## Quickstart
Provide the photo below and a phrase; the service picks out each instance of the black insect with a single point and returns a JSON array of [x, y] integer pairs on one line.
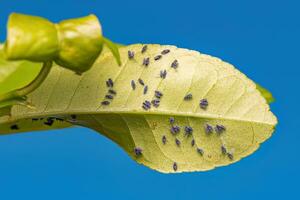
[[130, 54], [193, 142], [164, 52], [105, 103], [49, 122], [158, 94], [146, 89], [157, 57], [172, 120], [163, 74], [146, 61], [164, 139], [73, 117], [175, 166], [223, 149], [111, 91], [146, 105], [141, 81], [14, 127], [175, 129], [133, 84], [144, 49], [203, 103], [174, 64], [177, 142], [230, 156], [155, 102], [188, 97], [220, 128], [109, 83], [200, 151], [208, 129], [188, 130], [108, 96], [138, 151]]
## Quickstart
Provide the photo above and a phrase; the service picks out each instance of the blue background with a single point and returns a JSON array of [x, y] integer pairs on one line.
[[261, 38]]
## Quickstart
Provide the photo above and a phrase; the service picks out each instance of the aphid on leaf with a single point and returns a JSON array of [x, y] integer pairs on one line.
[[177, 142], [144, 49], [208, 129], [188, 97], [108, 96], [146, 61], [200, 151], [105, 103], [49, 122], [138, 151], [73, 117], [188, 130], [203, 104], [14, 127], [220, 128], [174, 64], [223, 149], [146, 89], [158, 94], [109, 83], [157, 57], [163, 74], [141, 81], [164, 139], [111, 91], [155, 102], [172, 120], [193, 142], [133, 84], [175, 166], [230, 155], [130, 54], [165, 51], [146, 105], [175, 129]]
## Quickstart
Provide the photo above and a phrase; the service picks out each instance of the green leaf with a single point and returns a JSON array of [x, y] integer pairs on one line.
[[265, 93], [114, 48], [233, 101]]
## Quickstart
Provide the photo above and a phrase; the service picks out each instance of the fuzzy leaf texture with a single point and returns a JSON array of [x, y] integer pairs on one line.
[[234, 104]]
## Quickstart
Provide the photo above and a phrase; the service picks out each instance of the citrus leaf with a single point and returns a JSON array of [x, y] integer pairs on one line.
[[230, 125], [265, 93]]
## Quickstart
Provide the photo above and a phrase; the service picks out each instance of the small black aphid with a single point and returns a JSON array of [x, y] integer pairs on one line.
[[188, 130], [146, 61], [105, 103], [175, 129], [203, 103], [220, 128], [164, 52], [111, 91], [133, 84], [109, 83], [141, 81], [200, 151], [157, 57], [49, 122], [144, 49], [138, 151], [177, 142], [146, 89], [130, 54], [172, 120], [158, 94], [14, 127], [223, 149], [73, 116], [175, 166], [174, 64], [164, 139], [188, 97], [155, 102], [163, 74], [208, 129], [108, 96], [193, 142], [146, 105], [230, 156]]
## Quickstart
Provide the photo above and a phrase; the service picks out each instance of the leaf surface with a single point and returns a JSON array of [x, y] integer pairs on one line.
[[233, 102]]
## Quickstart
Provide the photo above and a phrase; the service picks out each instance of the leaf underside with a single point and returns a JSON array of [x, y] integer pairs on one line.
[[233, 101]]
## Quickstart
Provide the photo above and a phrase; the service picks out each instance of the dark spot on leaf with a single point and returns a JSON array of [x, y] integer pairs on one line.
[[165, 51], [138, 151], [14, 127]]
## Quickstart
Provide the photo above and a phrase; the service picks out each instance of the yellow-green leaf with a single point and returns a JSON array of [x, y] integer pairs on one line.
[[233, 101]]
